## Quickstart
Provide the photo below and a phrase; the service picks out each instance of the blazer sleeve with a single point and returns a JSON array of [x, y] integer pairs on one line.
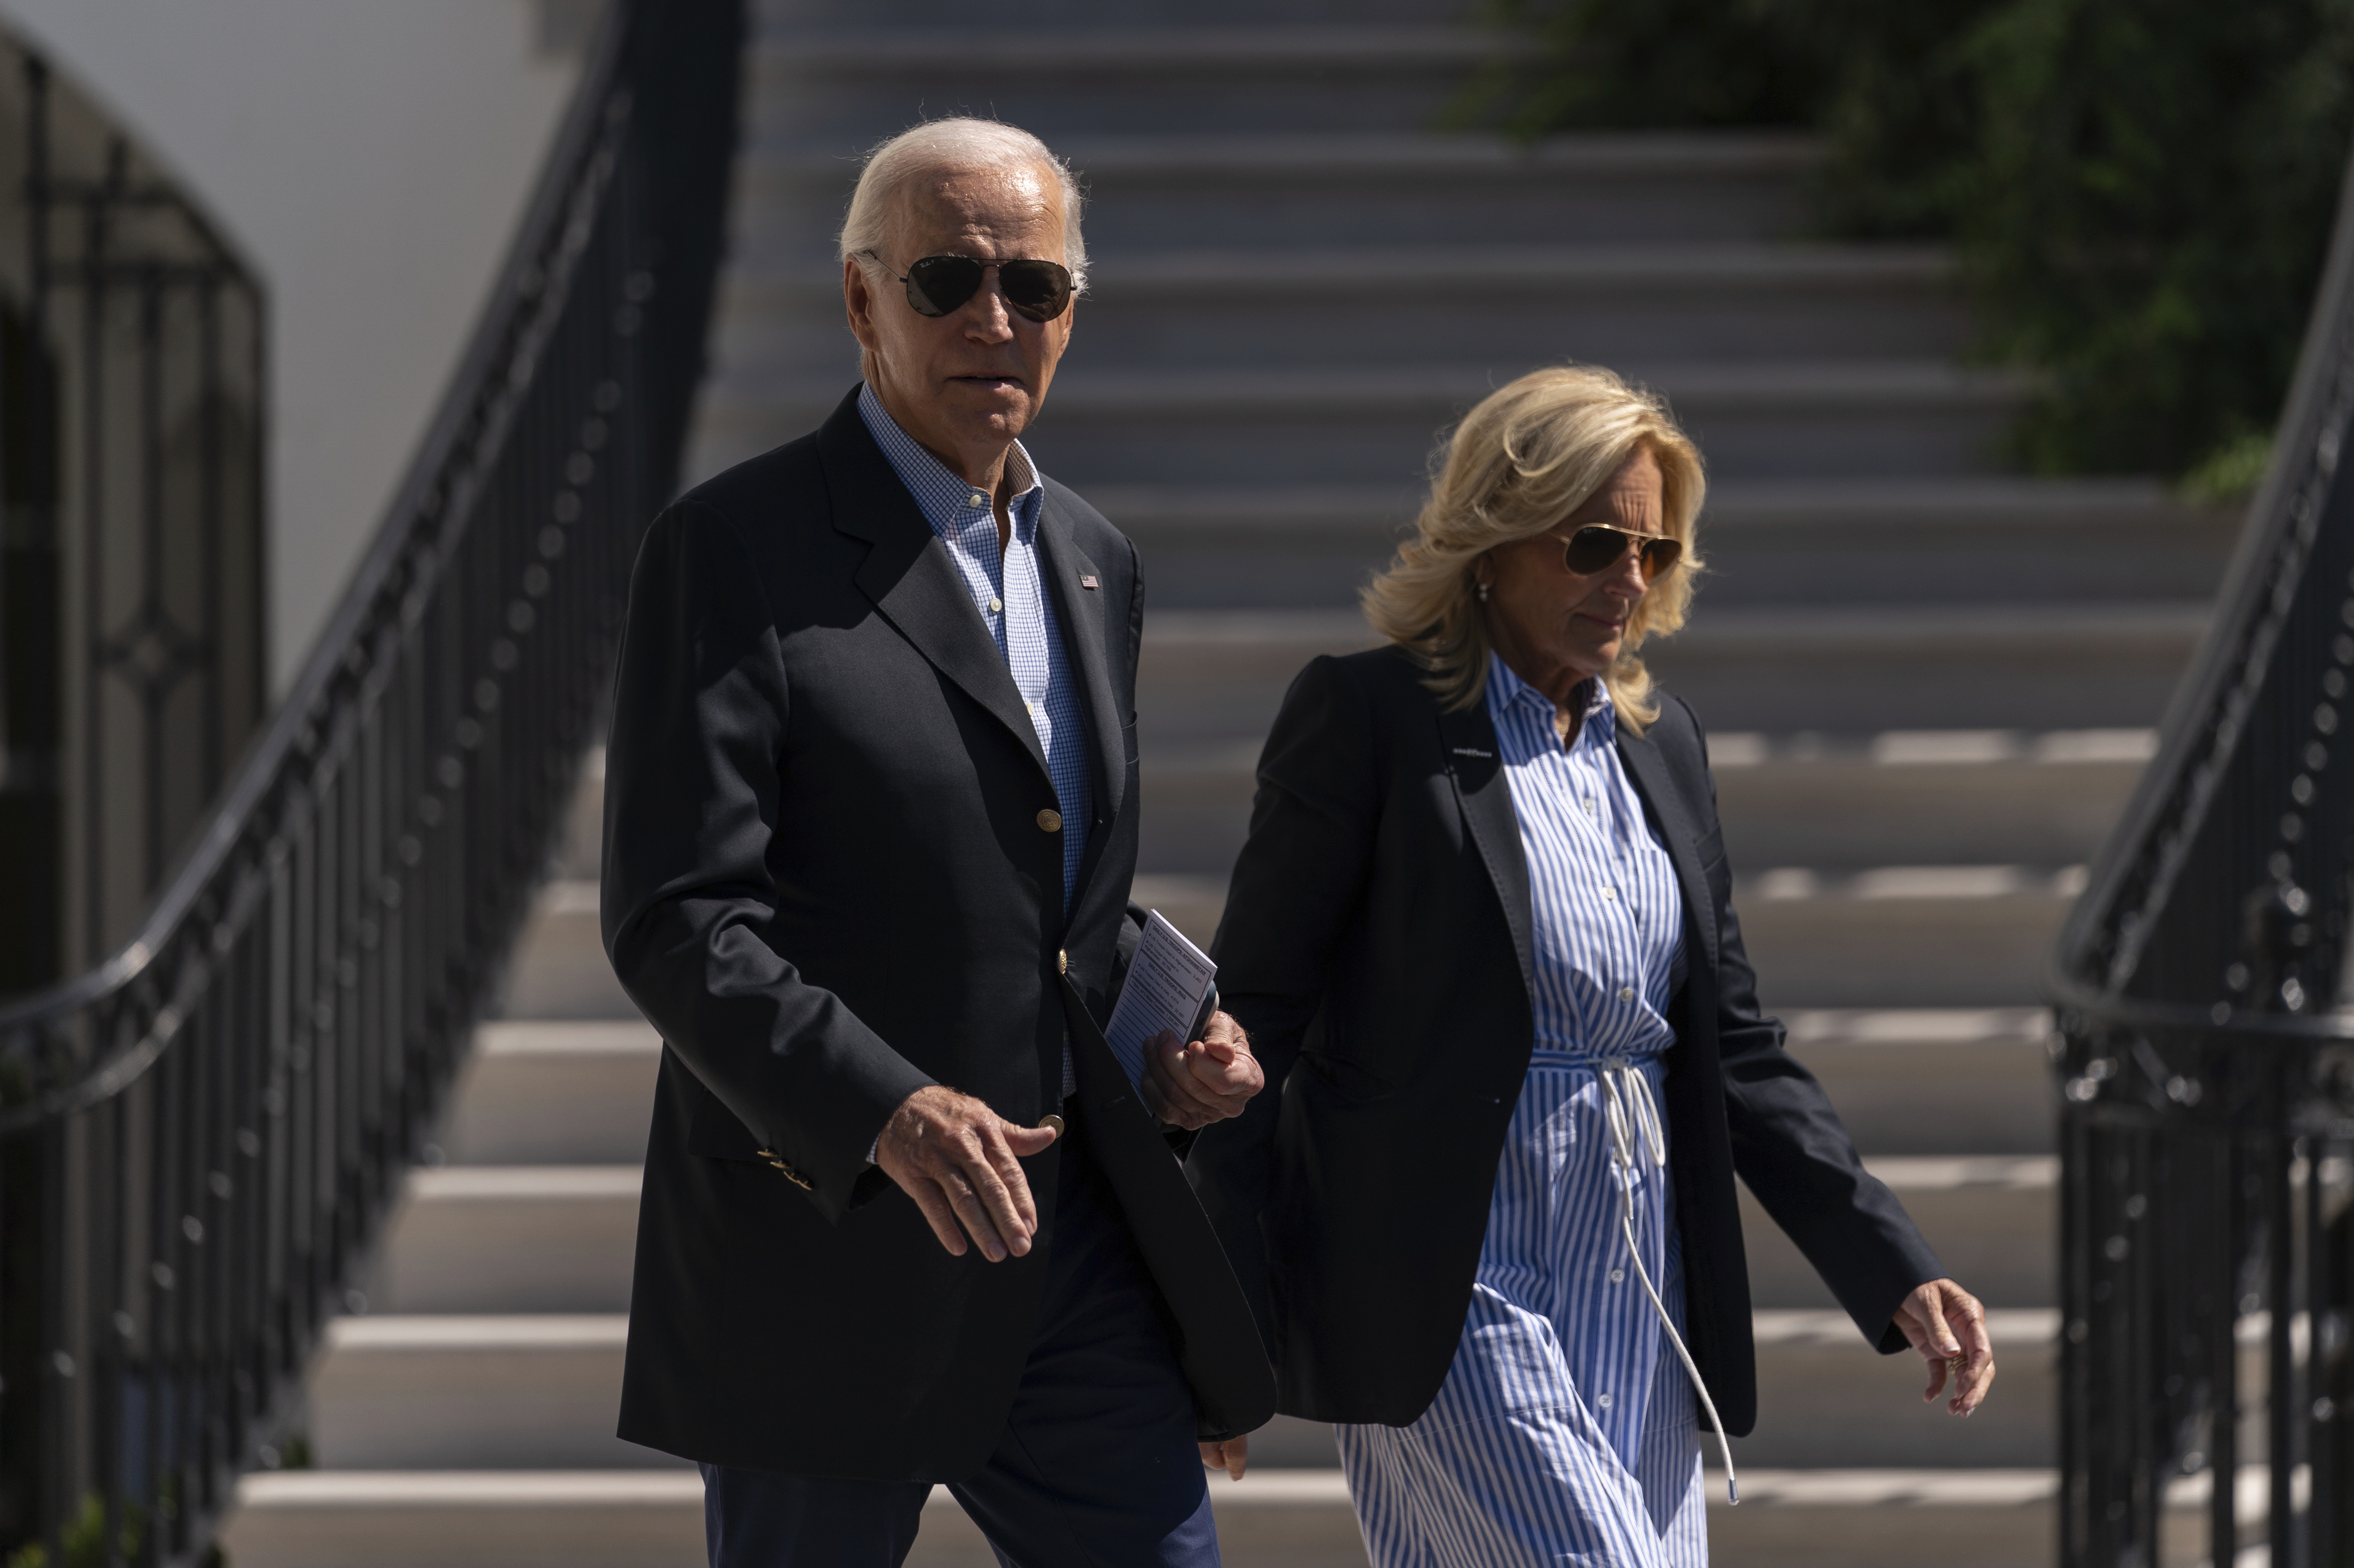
[[1296, 886], [691, 802], [1788, 1144]]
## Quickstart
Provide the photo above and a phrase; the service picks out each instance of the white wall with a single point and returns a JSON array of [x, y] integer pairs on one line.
[[371, 159]]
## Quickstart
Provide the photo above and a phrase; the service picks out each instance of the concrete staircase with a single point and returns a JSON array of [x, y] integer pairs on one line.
[[1930, 684]]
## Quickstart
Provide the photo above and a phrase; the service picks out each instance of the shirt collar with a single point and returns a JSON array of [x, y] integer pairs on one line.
[[1505, 690], [946, 499]]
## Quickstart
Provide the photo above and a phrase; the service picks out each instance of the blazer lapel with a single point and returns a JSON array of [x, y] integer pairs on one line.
[[1649, 769], [1468, 737], [1081, 612], [909, 577]]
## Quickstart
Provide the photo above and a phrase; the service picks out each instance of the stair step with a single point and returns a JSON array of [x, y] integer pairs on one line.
[[1766, 541], [539, 1392], [1993, 1220], [510, 1238], [1215, 678], [858, 17], [577, 1091], [559, 970], [1253, 314], [1281, 425], [1908, 1081], [1286, 190], [1826, 1400], [559, 1239], [502, 1392], [849, 91], [1971, 937], [588, 1519], [1931, 1081], [1836, 803]]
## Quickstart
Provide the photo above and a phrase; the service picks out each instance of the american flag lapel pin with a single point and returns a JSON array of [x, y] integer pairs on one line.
[[1087, 579]]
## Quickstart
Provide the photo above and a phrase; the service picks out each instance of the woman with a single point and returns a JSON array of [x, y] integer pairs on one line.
[[1482, 936]]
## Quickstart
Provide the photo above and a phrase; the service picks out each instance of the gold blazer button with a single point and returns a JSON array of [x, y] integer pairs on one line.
[[1062, 961], [1050, 822], [1053, 1124]]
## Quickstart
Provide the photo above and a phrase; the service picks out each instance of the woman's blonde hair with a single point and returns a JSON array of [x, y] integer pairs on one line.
[[1531, 453]]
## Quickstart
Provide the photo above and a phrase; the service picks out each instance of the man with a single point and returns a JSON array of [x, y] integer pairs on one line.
[[871, 802]]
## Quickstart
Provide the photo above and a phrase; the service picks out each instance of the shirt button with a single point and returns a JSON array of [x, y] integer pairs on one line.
[[995, 605], [1604, 1400], [1625, 994], [976, 498], [1050, 822], [1618, 1277], [1609, 894]]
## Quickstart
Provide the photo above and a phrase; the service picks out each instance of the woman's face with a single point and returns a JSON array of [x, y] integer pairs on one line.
[[1553, 627]]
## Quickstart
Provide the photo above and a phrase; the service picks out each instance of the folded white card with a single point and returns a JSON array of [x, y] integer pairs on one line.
[[1168, 980]]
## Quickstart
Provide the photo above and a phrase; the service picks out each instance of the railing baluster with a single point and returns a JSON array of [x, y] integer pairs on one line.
[[199, 1137]]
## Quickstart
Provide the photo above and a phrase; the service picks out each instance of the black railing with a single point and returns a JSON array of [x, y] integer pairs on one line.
[[200, 1137], [131, 391], [2207, 1077]]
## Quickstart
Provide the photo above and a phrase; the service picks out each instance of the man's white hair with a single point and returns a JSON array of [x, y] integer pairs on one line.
[[940, 146]]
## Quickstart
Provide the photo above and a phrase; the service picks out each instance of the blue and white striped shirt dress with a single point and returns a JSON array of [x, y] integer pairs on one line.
[[1565, 1431]]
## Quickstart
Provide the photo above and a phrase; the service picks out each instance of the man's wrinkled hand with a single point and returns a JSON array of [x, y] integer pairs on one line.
[[959, 1160], [1210, 1079], [1945, 1324]]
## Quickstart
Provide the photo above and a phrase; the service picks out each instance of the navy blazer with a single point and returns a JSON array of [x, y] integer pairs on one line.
[[827, 884], [1376, 945]]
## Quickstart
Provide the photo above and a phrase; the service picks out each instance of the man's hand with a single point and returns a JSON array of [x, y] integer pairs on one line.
[[1209, 1080], [1232, 1456], [956, 1158], [1948, 1326]]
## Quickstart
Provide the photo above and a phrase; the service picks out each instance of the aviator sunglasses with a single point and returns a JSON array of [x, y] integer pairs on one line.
[[1598, 547], [1040, 290]]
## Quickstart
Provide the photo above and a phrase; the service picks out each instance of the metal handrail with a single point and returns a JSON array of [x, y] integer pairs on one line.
[[2204, 1079], [199, 1135]]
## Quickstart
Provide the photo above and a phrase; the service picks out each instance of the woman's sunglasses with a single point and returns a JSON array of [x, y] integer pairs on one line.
[[1598, 547], [1040, 290]]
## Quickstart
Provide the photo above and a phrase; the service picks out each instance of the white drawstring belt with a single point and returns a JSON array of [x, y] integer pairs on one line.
[[1635, 1117]]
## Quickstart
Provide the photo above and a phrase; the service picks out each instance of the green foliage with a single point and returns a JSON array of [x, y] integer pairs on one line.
[[2139, 191], [84, 1538], [2230, 472]]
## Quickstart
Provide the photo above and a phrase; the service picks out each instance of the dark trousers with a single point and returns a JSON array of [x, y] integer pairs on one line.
[[1096, 1466]]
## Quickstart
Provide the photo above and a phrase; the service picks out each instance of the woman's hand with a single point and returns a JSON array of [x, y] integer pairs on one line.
[[1230, 1455], [1947, 1325], [1210, 1080]]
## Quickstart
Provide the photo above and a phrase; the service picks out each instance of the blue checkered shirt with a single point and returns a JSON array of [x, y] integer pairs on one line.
[[1009, 591]]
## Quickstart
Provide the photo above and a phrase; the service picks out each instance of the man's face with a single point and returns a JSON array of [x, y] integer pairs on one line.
[[967, 384]]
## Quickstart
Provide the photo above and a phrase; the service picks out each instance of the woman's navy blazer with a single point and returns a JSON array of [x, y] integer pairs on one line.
[[1376, 945], [829, 882]]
